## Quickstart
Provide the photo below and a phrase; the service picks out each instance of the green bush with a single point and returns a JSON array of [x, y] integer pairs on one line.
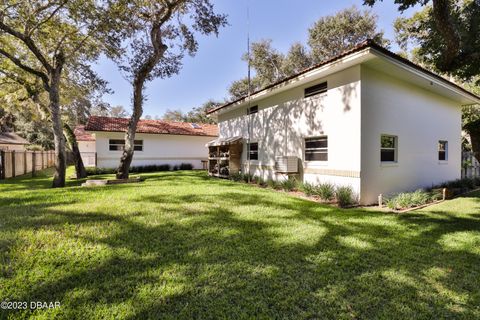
[[307, 188], [185, 166], [274, 184], [326, 191], [464, 183], [407, 200], [135, 169], [238, 176], [289, 184], [345, 196]]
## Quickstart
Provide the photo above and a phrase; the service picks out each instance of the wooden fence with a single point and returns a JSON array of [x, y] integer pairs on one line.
[[470, 165], [17, 163]]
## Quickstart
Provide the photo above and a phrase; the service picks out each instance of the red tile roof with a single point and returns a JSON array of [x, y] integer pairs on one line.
[[151, 126], [81, 135]]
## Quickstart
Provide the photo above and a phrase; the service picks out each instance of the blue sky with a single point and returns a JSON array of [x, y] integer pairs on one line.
[[218, 60]]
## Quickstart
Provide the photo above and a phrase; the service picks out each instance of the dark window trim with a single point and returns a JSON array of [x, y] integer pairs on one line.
[[316, 89], [318, 150], [252, 110]]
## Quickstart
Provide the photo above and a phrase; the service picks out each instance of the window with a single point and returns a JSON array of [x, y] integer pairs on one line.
[[252, 110], [119, 145], [252, 149], [388, 150], [442, 150], [316, 149], [316, 89]]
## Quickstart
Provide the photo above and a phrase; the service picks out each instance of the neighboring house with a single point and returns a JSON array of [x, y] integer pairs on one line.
[[366, 118], [10, 141], [86, 146], [156, 141]]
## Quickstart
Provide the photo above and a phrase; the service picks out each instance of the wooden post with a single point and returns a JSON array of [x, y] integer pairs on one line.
[[43, 160], [444, 193], [2, 164], [380, 200], [13, 163], [25, 162], [34, 163], [95, 159]]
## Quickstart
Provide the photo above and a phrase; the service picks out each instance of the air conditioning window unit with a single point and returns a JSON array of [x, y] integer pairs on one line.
[[286, 164]]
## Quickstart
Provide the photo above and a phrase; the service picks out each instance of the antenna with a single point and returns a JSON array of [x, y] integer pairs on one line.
[[249, 92]]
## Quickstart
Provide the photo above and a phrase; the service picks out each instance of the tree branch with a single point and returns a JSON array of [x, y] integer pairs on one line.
[[446, 28], [19, 64], [29, 43]]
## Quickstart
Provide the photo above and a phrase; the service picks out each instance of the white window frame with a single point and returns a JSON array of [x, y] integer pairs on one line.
[[446, 150], [395, 148], [122, 145], [318, 150], [249, 153]]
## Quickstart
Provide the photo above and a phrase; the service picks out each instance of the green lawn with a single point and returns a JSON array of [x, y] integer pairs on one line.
[[182, 245]]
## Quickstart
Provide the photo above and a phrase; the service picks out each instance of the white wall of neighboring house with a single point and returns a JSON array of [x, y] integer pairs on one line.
[[87, 152], [157, 149], [419, 118], [284, 121]]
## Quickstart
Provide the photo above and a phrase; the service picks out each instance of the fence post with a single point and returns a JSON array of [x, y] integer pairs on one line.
[[95, 159], [34, 163], [43, 160], [25, 162], [2, 164], [13, 164]]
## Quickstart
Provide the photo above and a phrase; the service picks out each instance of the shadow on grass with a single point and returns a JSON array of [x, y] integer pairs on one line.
[[227, 250]]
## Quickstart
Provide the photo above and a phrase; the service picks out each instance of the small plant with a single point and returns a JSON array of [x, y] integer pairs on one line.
[[345, 196], [237, 176], [175, 168], [407, 200], [289, 184], [326, 191], [274, 184], [307, 188], [247, 177]]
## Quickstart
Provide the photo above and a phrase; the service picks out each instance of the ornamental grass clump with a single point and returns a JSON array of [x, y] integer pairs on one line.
[[345, 196], [326, 191], [307, 188], [289, 184], [407, 200]]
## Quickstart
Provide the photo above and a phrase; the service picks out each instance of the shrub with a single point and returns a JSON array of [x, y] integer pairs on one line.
[[186, 166], [345, 196], [289, 184], [175, 168], [326, 191], [274, 184], [135, 169], [237, 176], [407, 200], [307, 188], [247, 177], [258, 180]]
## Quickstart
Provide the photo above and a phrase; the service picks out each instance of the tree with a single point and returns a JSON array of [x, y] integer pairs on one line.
[[446, 33], [43, 37], [334, 34], [199, 114], [329, 36], [420, 37], [173, 115], [158, 50], [297, 59]]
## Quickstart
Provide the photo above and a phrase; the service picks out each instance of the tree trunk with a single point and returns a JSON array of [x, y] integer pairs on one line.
[[77, 157], [127, 155], [473, 130], [59, 141], [139, 81]]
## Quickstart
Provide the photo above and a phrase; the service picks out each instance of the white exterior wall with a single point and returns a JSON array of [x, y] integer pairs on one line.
[[87, 152], [286, 119], [420, 119], [157, 149]]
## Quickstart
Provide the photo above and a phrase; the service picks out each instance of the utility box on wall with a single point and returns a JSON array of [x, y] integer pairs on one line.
[[286, 164]]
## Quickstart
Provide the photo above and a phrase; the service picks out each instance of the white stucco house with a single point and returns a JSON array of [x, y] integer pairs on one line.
[[156, 142], [367, 118]]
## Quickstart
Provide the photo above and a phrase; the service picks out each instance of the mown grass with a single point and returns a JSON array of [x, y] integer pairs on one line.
[[182, 245]]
